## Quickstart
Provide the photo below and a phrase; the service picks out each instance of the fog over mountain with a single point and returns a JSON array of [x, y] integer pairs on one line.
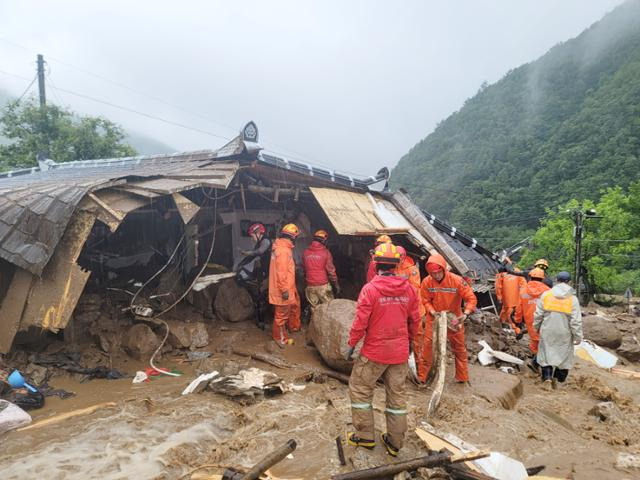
[[351, 84]]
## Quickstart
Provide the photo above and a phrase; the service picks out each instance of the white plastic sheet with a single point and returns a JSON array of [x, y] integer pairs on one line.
[[12, 417]]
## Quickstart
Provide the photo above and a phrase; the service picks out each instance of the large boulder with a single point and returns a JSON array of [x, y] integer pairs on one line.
[[233, 303], [601, 331], [187, 335], [329, 332], [630, 349], [140, 342]]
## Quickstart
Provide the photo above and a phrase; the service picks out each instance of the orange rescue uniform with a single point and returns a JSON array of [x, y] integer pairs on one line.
[[446, 295], [529, 295], [511, 312], [282, 278], [409, 270]]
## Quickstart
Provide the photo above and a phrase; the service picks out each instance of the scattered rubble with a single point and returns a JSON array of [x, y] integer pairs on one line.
[[605, 411], [627, 461], [140, 341], [601, 330], [191, 335], [630, 348], [233, 303]]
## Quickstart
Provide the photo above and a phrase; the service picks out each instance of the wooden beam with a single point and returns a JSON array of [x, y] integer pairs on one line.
[[417, 218], [13, 306]]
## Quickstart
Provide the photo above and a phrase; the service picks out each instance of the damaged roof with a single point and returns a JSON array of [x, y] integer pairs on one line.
[[37, 204]]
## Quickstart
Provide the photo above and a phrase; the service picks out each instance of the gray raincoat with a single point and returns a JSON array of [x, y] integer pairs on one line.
[[558, 330]]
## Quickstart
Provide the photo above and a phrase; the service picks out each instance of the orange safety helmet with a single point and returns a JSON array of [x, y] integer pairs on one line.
[[321, 235], [386, 253], [541, 263], [290, 230], [383, 239], [536, 273]]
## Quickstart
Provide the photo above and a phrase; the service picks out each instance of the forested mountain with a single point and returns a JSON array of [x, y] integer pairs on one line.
[[564, 126]]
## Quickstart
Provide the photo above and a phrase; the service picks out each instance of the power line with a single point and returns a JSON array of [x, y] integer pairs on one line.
[[297, 155], [27, 89], [138, 112]]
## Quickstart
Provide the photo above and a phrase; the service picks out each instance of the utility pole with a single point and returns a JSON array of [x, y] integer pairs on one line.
[[578, 220], [43, 98]]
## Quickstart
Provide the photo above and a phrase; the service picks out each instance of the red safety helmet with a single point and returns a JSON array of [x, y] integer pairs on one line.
[[321, 235], [402, 252], [256, 228], [290, 230], [383, 239], [386, 253]]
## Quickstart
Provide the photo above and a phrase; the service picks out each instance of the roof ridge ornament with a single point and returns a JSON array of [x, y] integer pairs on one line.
[[250, 132]]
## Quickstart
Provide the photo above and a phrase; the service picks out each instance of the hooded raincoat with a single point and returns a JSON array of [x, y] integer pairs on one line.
[[558, 320], [445, 295]]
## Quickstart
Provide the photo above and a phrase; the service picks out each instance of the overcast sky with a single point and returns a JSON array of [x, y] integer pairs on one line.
[[348, 84]]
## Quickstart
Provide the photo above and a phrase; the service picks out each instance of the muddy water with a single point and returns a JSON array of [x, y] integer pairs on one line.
[[155, 433]]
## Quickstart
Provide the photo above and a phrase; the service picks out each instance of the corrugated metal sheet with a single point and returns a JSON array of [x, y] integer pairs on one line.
[[352, 213]]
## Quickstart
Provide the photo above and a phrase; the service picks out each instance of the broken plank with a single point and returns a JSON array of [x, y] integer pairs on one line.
[[64, 416], [435, 443], [417, 218]]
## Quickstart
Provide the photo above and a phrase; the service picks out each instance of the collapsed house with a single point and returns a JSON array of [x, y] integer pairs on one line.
[[116, 224]]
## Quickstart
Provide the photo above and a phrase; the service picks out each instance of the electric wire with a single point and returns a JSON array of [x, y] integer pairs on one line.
[[184, 294], [26, 89], [296, 155]]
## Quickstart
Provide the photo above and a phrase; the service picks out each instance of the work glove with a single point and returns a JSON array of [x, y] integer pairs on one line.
[[285, 295], [337, 288], [349, 354]]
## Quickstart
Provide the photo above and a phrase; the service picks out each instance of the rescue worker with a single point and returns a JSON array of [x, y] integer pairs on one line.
[[541, 263], [409, 270], [558, 320], [502, 271], [387, 316], [511, 312], [320, 273], [442, 291], [254, 268], [371, 269], [529, 295], [282, 285]]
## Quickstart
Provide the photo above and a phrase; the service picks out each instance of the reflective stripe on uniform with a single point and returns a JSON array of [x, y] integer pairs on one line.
[[361, 406], [553, 304], [442, 289], [396, 411]]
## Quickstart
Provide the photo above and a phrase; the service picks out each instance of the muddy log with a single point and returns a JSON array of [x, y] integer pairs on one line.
[[270, 460], [263, 357], [461, 472], [280, 363], [440, 361], [429, 461]]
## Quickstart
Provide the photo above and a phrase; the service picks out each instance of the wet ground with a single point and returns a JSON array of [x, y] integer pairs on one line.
[[155, 433]]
